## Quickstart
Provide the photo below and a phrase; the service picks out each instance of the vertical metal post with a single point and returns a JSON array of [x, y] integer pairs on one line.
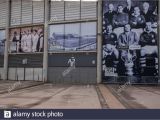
[[45, 53], [7, 41], [99, 43], [158, 41]]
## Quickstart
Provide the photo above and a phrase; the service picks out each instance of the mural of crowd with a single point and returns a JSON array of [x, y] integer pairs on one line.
[[26, 40], [130, 38]]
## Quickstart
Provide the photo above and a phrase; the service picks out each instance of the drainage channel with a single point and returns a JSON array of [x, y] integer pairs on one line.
[[101, 98]]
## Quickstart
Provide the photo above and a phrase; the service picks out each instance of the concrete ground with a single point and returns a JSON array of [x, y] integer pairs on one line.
[[27, 94]]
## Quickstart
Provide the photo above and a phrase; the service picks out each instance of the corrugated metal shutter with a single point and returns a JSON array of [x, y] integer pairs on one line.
[[88, 9], [72, 10], [3, 9], [38, 11], [57, 10], [26, 11], [15, 12]]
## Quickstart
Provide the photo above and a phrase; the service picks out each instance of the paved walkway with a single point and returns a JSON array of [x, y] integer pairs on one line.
[[49, 96], [28, 94], [137, 97], [10, 85]]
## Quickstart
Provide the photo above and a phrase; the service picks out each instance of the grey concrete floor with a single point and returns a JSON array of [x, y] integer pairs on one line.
[[137, 96], [52, 96], [28, 94]]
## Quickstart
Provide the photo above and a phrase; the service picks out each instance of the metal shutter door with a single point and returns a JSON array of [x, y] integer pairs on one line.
[[15, 12], [72, 10], [3, 9], [88, 9], [57, 10], [38, 11], [26, 11]]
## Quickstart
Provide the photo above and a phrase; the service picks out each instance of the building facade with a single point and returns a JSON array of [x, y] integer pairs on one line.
[[65, 41]]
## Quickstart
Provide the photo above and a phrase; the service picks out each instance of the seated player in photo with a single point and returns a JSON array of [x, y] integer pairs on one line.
[[110, 52], [128, 37], [149, 51], [128, 57], [120, 19], [137, 20]]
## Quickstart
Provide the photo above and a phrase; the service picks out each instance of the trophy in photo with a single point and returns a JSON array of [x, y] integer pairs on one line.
[[128, 60]]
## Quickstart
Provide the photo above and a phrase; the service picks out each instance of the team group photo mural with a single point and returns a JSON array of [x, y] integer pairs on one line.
[[130, 40], [2, 41], [26, 40]]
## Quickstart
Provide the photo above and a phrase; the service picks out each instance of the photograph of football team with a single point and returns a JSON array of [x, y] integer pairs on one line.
[[130, 38]]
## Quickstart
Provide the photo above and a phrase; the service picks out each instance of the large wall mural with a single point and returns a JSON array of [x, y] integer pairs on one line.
[[130, 40], [72, 37], [26, 40]]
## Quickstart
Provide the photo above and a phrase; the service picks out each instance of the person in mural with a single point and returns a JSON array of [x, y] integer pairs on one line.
[[15, 40], [137, 20], [40, 42], [127, 39], [129, 8], [121, 18], [108, 16], [28, 41], [72, 62], [149, 51], [35, 38], [23, 41], [110, 53], [155, 18], [146, 12]]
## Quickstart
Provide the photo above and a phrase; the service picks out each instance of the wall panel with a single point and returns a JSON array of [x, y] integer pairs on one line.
[[15, 12], [72, 10], [26, 11], [56, 10], [3, 13], [38, 11]]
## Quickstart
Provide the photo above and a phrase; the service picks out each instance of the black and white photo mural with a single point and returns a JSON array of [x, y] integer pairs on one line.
[[130, 40], [2, 41], [72, 37], [26, 40]]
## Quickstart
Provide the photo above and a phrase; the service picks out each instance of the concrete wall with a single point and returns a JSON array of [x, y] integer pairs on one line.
[[34, 74], [84, 72], [79, 75], [1, 73]]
